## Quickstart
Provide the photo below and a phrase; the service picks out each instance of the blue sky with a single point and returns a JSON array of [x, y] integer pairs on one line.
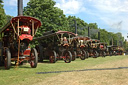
[[111, 15]]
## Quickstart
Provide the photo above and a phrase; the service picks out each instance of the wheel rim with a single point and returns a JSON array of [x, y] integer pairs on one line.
[[5, 61], [82, 55], [32, 58], [52, 59], [95, 54], [32, 63], [67, 59]]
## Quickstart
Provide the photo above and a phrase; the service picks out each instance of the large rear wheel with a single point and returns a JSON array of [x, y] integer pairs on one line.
[[34, 58], [68, 57], [52, 57], [39, 49], [7, 59]]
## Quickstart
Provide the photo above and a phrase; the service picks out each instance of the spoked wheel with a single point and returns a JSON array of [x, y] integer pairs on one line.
[[7, 60], [95, 54], [1, 57], [83, 55], [74, 56], [39, 49], [52, 57], [34, 58], [68, 57]]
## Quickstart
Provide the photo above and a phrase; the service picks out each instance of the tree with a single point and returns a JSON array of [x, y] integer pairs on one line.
[[2, 15], [52, 18]]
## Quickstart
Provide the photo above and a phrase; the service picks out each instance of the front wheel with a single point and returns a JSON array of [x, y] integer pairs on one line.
[[68, 57], [7, 60], [34, 58], [74, 55], [52, 57], [87, 54], [95, 54], [83, 55]]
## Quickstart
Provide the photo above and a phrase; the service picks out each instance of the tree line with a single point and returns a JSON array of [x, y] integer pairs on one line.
[[53, 18]]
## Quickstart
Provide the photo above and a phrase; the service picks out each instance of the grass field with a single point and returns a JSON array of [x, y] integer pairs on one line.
[[92, 71]]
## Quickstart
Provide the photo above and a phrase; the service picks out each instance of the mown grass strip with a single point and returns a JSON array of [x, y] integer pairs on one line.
[[24, 74]]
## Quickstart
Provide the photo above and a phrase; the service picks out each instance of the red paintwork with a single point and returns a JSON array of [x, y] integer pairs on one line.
[[26, 36], [27, 19], [22, 29], [101, 46], [82, 46], [27, 51], [24, 19], [61, 32]]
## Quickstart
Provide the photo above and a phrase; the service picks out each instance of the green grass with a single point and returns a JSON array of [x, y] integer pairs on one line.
[[27, 75]]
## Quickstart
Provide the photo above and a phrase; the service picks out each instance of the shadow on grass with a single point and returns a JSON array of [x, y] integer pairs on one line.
[[14, 66], [48, 62], [96, 69]]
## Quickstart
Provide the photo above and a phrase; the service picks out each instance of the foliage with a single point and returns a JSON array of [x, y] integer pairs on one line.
[[52, 18], [25, 75], [2, 15]]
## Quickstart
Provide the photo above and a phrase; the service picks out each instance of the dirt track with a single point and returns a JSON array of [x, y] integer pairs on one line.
[[110, 74]]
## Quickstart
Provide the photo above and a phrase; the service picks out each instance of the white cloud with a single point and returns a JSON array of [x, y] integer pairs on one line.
[[111, 12], [70, 6], [111, 5]]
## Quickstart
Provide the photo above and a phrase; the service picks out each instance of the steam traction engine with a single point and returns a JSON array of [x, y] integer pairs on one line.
[[102, 49], [93, 47], [56, 46], [80, 46], [15, 37]]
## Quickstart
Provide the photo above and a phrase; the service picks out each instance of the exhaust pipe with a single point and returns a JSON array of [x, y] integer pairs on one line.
[[20, 7], [75, 24], [98, 35], [88, 31]]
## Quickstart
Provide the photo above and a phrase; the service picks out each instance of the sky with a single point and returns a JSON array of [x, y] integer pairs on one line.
[[111, 15]]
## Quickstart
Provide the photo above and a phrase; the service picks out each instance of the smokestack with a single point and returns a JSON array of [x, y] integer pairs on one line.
[[88, 32], [98, 35], [75, 26], [116, 42], [20, 7], [112, 41]]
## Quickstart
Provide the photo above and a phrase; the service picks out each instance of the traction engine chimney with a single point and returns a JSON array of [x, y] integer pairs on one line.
[[20, 7]]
